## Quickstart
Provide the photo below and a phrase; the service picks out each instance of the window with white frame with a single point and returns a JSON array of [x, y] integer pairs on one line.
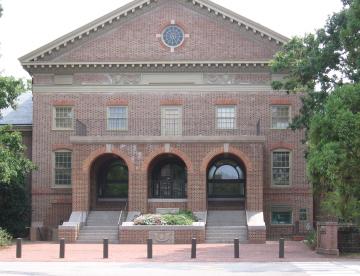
[[225, 117], [63, 117], [117, 118], [280, 116], [281, 167], [171, 120], [281, 215], [62, 168]]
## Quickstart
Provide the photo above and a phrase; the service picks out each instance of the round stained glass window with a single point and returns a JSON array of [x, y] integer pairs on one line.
[[173, 36]]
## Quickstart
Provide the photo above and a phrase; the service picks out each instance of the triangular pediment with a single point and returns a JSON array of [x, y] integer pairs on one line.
[[132, 34]]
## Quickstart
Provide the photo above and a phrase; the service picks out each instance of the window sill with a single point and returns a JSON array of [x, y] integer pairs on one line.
[[61, 187], [281, 186], [117, 130], [282, 225], [63, 129], [159, 200]]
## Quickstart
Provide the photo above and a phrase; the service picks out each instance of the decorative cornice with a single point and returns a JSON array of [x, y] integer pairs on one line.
[[165, 139], [144, 64], [116, 89], [136, 5]]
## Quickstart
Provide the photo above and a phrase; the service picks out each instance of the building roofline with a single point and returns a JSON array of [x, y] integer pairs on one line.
[[132, 7]]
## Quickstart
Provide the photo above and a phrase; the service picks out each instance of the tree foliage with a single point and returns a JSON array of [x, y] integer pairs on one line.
[[14, 166], [327, 59], [325, 67], [10, 90], [334, 153]]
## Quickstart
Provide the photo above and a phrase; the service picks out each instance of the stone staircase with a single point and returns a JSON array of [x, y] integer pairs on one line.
[[100, 225], [225, 226]]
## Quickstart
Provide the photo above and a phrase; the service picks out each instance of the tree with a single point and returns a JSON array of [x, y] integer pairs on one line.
[[14, 166], [334, 153], [325, 67], [327, 58]]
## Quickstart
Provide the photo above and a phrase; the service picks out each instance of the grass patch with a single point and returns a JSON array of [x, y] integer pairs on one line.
[[181, 218]]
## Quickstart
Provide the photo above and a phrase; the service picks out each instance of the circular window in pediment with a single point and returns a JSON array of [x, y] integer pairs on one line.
[[173, 36]]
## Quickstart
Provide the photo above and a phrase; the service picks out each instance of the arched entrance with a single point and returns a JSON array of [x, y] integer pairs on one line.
[[226, 183], [109, 183], [167, 178]]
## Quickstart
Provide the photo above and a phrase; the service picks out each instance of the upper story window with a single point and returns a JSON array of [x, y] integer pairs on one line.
[[171, 121], [63, 117], [62, 168], [225, 117], [281, 167], [280, 116], [117, 118]]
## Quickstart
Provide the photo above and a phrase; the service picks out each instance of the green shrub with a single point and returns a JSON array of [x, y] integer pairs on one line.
[[311, 240], [181, 218], [14, 209], [149, 219], [5, 238]]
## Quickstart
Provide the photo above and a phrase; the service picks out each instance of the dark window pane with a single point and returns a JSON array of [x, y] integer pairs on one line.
[[281, 217]]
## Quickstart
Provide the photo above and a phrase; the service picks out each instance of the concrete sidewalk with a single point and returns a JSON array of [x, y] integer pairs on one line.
[[49, 252]]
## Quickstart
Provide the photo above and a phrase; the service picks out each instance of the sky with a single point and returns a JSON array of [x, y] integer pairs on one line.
[[29, 24]]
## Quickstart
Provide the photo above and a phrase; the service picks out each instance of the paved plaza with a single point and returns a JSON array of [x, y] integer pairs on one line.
[[269, 252]]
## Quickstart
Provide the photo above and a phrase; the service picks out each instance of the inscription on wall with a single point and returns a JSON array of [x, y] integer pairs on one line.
[[162, 237], [107, 79]]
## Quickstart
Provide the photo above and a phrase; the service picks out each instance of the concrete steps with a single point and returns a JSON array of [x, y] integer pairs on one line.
[[225, 226], [100, 225]]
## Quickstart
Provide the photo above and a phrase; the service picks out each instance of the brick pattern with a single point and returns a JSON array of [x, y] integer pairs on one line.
[[70, 234], [256, 236], [256, 157], [327, 238], [141, 236], [134, 39]]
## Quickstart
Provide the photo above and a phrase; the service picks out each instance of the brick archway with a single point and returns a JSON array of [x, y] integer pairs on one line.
[[83, 196], [160, 151], [99, 152], [218, 151]]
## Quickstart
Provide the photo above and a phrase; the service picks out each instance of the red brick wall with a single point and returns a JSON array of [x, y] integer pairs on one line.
[[141, 236], [134, 38], [144, 119]]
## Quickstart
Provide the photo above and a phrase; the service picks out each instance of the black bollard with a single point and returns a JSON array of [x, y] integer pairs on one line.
[[193, 248], [236, 249], [62, 249], [281, 248], [149, 248], [18, 248], [106, 249]]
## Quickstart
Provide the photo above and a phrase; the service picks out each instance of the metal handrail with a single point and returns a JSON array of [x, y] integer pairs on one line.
[[122, 212]]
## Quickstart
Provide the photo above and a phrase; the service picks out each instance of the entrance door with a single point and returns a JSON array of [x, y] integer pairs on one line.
[[226, 184], [168, 179]]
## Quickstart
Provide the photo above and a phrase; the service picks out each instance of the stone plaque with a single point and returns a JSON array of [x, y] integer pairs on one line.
[[162, 237], [164, 211]]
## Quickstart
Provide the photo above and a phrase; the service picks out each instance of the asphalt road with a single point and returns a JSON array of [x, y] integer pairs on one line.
[[179, 269]]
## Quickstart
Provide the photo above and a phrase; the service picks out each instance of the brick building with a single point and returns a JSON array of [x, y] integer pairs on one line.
[[165, 104]]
